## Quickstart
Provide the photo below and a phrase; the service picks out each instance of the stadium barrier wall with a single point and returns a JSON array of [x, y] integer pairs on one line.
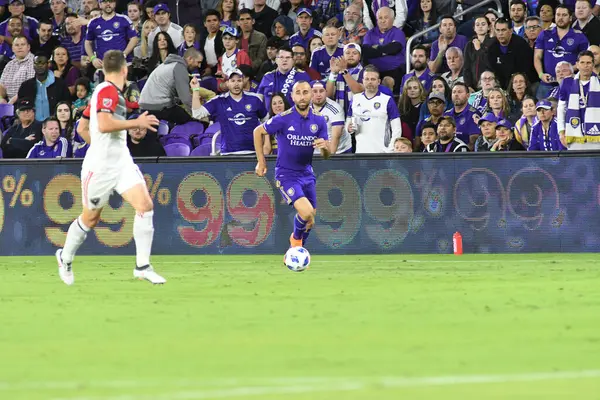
[[500, 203]]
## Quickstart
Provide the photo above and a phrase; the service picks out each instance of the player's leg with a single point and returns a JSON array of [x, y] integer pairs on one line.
[[310, 191], [292, 192], [96, 190], [132, 188]]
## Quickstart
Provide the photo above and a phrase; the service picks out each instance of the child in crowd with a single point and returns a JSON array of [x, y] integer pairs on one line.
[[428, 135], [402, 145], [83, 91]]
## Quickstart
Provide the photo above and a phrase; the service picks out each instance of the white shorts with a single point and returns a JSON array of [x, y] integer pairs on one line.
[[97, 186]]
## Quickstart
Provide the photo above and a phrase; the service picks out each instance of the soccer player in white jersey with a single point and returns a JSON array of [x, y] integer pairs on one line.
[[373, 117], [108, 167], [339, 138]]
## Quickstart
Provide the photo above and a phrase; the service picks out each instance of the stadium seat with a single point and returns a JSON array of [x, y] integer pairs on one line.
[[0, 153], [214, 128], [163, 128], [177, 150], [185, 133], [7, 114], [202, 151]]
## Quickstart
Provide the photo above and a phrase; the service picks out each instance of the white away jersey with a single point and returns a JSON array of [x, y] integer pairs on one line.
[[108, 151], [334, 115]]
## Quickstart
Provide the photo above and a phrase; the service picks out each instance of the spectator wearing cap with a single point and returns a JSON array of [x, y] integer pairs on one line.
[[448, 38], [373, 116], [45, 42], [354, 30], [464, 115], [18, 70], [237, 111], [110, 31], [16, 8], [505, 139], [487, 127], [250, 85], [346, 76], [321, 57], [20, 138], [544, 133], [52, 144], [282, 79], [305, 31], [447, 141], [399, 8], [587, 22], [59, 14], [251, 41], [168, 84], [291, 9], [211, 42], [283, 28], [263, 17], [162, 16], [340, 140], [555, 45], [231, 58], [46, 90], [578, 114], [301, 62], [142, 143], [436, 104], [273, 45], [384, 46]]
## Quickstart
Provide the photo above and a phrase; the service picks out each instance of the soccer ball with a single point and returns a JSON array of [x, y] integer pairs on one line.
[[297, 259]]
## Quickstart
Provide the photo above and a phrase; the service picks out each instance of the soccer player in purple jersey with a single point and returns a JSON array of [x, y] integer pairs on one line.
[[299, 131]]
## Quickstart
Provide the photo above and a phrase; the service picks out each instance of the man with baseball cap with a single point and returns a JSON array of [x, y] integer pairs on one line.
[[544, 133], [231, 58], [237, 111], [436, 104], [487, 126], [16, 8], [345, 78], [447, 141], [162, 16], [305, 32], [340, 139], [505, 137], [20, 138], [110, 31]]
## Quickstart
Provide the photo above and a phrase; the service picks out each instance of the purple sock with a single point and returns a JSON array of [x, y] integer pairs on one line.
[[305, 236], [299, 227]]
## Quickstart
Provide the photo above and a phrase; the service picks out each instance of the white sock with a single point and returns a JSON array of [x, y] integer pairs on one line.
[[75, 238], [143, 233]]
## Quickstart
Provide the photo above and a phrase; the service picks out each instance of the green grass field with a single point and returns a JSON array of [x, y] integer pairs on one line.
[[351, 327]]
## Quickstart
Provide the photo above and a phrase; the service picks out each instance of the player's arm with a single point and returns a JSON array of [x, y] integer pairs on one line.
[[107, 100], [83, 127], [322, 143], [259, 136], [198, 110]]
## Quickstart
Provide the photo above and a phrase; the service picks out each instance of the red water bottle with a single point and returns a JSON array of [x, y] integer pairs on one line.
[[457, 242]]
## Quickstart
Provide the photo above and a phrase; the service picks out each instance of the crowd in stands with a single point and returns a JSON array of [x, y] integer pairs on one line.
[[522, 79]]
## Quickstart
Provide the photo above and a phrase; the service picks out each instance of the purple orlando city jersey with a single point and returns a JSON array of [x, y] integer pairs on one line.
[[465, 125], [557, 50], [320, 59], [113, 34], [238, 120], [62, 148], [375, 38], [459, 41]]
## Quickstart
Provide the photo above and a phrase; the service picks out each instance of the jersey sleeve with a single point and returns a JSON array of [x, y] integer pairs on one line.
[[131, 33], [273, 125], [323, 131], [107, 99], [392, 109], [90, 35], [86, 112]]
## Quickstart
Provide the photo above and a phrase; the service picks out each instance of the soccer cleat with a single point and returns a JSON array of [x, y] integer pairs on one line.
[[295, 242], [147, 272], [65, 271]]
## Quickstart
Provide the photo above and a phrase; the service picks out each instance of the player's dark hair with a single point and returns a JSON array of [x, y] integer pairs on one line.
[[210, 12], [50, 119], [113, 61], [585, 53]]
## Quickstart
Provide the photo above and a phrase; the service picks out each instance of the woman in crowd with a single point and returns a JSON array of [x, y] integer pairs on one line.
[[497, 103], [413, 95], [161, 48], [228, 10], [135, 12], [528, 118], [478, 99], [65, 120], [278, 105], [62, 68], [545, 10], [492, 17], [505, 140], [518, 88], [314, 43], [426, 17], [283, 28], [476, 52], [189, 39], [438, 85], [142, 50]]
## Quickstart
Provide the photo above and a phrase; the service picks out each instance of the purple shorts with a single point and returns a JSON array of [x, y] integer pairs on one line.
[[294, 188]]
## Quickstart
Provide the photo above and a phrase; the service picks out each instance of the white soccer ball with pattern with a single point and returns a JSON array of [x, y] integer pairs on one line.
[[297, 259]]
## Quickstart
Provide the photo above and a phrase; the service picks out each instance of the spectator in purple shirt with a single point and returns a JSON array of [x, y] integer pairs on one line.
[[384, 45], [321, 57], [59, 13], [305, 32], [74, 39], [30, 25], [52, 145], [448, 38], [420, 68]]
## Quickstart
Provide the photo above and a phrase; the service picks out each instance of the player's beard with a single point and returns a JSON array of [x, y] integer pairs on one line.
[[302, 106]]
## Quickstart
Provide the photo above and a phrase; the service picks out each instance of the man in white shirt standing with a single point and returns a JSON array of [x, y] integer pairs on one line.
[[162, 16], [334, 115], [373, 117]]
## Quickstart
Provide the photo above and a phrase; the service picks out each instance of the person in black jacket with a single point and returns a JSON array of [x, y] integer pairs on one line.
[[20, 138], [56, 89], [142, 143], [586, 22], [518, 56]]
